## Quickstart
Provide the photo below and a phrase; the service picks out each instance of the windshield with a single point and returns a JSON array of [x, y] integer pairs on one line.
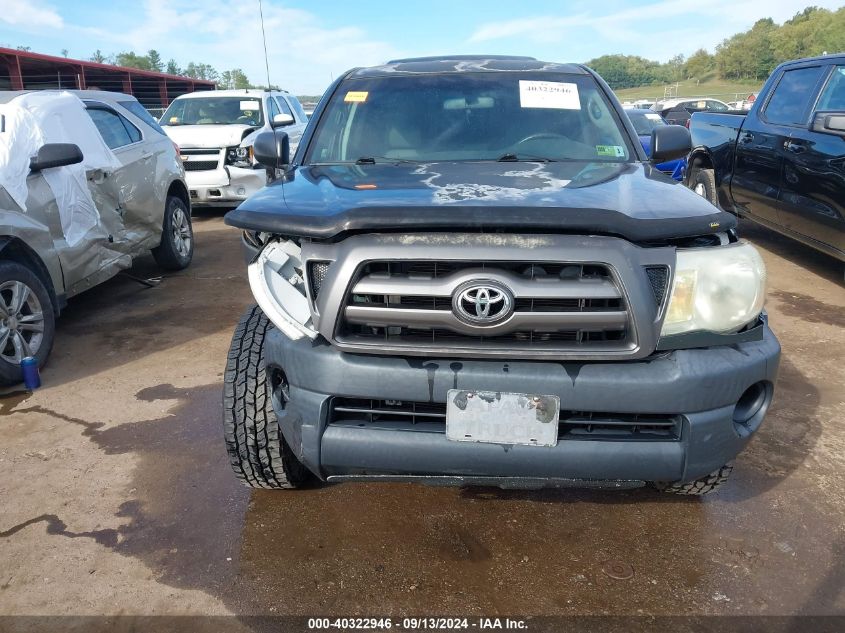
[[469, 116], [645, 122], [214, 111]]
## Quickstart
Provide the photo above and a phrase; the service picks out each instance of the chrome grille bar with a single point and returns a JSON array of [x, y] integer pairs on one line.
[[538, 288], [520, 321]]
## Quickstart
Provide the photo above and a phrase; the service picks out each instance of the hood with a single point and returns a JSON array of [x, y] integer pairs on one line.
[[633, 200], [207, 135]]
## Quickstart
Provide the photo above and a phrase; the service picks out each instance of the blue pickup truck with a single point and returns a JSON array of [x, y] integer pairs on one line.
[[782, 164]]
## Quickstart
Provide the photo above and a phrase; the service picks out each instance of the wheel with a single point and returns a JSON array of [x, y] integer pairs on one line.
[[703, 182], [702, 486], [27, 320], [177, 236], [259, 454]]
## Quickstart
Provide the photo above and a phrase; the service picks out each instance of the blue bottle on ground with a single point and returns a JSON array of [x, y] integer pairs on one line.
[[31, 377]]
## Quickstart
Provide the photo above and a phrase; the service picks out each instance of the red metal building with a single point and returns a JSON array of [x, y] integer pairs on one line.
[[22, 70]]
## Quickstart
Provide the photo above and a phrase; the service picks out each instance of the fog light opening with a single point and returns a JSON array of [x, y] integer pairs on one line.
[[279, 389], [751, 407]]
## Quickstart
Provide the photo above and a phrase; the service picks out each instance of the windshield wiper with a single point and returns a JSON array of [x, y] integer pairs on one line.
[[510, 157], [371, 160]]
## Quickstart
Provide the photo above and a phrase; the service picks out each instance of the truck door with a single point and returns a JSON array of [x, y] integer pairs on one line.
[[814, 171], [760, 148]]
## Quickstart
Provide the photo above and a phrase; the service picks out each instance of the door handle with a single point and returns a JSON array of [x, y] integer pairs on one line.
[[795, 148], [746, 137]]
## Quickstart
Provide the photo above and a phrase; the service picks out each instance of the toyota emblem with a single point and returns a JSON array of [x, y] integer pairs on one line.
[[482, 302]]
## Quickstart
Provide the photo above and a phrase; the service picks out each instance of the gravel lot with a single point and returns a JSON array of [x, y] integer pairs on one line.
[[117, 496]]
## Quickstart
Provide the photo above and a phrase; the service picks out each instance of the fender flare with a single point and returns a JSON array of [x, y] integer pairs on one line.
[[697, 157], [28, 256]]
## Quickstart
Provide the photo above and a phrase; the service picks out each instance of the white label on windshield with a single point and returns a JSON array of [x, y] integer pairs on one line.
[[653, 117], [249, 105], [549, 94]]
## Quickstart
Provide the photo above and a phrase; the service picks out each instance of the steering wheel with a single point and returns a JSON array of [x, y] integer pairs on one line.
[[541, 136]]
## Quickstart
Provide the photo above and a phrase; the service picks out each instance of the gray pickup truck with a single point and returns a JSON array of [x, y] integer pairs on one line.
[[471, 274]]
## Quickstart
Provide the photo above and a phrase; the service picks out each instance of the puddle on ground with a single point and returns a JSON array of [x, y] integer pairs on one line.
[[809, 309]]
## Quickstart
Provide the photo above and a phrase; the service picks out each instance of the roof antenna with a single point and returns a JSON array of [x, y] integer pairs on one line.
[[264, 37]]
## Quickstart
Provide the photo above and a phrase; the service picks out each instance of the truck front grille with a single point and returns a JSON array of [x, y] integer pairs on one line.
[[200, 158], [555, 306], [396, 415]]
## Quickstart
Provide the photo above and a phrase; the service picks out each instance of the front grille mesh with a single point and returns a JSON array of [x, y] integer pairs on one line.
[[317, 272], [658, 277], [200, 165], [572, 425]]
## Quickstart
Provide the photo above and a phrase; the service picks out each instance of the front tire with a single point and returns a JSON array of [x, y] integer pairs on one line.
[[701, 486], [27, 320], [703, 182], [258, 453], [177, 236]]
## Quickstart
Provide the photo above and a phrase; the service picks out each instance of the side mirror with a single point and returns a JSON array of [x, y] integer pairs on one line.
[[55, 155], [281, 120], [669, 142], [829, 123], [272, 149]]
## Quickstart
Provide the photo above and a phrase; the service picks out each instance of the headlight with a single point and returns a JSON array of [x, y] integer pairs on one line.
[[718, 290], [275, 278], [239, 156]]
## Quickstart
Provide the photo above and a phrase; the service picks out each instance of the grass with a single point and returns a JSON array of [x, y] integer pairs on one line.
[[722, 89]]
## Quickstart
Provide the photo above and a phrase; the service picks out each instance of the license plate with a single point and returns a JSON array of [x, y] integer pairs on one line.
[[502, 418]]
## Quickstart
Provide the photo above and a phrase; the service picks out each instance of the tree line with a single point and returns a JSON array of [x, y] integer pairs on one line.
[[752, 54], [227, 79]]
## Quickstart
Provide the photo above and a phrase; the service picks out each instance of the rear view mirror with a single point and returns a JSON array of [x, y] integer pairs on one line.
[[829, 123], [281, 120], [272, 149], [55, 155], [669, 142]]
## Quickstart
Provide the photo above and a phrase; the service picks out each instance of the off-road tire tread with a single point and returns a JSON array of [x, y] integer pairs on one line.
[[257, 452], [702, 486], [708, 178]]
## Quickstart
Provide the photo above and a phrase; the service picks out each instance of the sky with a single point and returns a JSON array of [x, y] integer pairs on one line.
[[310, 43]]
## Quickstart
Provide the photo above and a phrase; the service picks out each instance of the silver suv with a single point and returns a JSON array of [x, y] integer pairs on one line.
[[88, 182], [215, 131]]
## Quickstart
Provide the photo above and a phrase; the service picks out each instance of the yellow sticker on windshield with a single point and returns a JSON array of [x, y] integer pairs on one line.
[[356, 97]]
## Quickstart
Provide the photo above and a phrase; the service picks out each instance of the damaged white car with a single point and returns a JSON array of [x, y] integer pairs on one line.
[[215, 131], [88, 182]]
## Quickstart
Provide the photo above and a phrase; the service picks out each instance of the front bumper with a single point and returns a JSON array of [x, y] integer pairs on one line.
[[702, 386], [226, 186]]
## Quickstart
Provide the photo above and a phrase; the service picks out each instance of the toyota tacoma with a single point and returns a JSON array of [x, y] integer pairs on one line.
[[470, 273]]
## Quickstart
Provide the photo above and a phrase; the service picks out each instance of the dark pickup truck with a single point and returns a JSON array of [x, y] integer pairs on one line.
[[783, 164], [471, 273]]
